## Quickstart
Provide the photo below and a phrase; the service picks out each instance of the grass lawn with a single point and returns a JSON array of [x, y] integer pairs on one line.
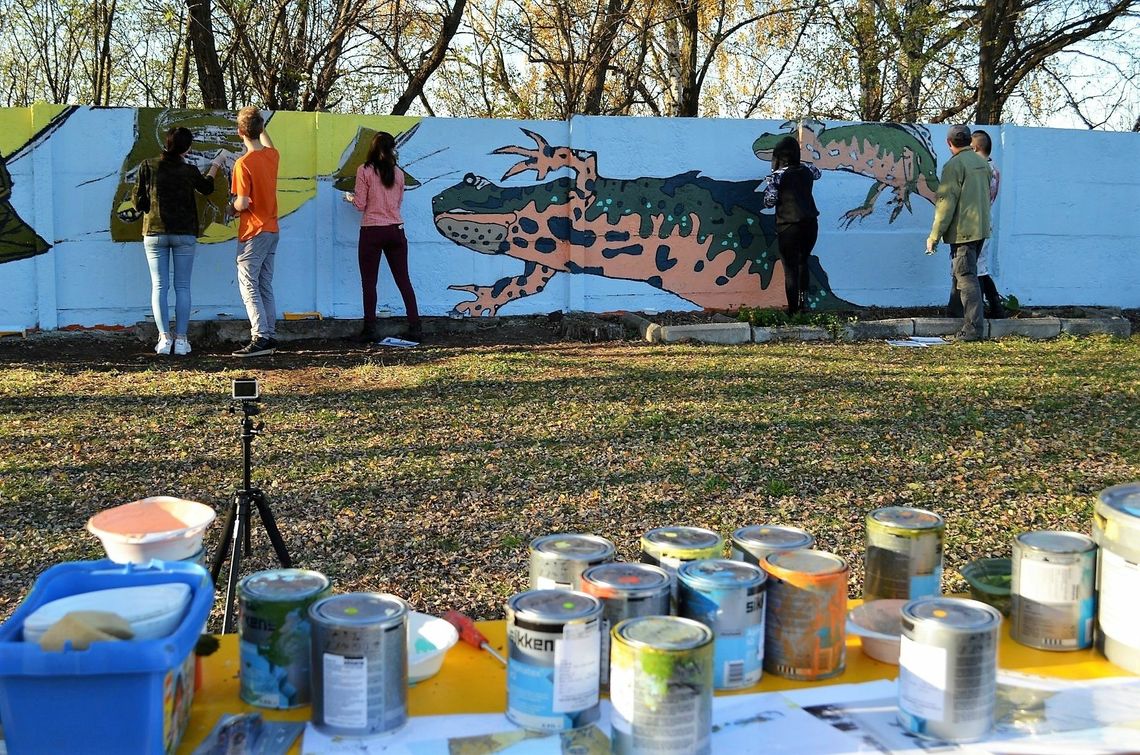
[[426, 473]]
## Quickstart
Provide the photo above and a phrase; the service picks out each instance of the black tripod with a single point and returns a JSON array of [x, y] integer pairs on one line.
[[237, 526]]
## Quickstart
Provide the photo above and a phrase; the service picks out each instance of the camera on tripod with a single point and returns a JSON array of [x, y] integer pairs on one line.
[[245, 389]]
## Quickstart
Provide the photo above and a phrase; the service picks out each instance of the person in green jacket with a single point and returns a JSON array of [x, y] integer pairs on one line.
[[962, 220]]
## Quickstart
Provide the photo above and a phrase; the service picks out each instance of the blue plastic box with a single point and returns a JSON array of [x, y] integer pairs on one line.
[[114, 697]]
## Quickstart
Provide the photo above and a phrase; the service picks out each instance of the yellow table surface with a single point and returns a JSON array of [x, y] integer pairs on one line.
[[472, 681]]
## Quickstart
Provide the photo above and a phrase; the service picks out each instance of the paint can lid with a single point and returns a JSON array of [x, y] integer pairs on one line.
[[359, 609], [664, 632], [1120, 499], [589, 548], [721, 573], [804, 561], [904, 518], [622, 578], [772, 538], [1052, 541], [553, 606], [952, 613], [283, 584], [682, 542]]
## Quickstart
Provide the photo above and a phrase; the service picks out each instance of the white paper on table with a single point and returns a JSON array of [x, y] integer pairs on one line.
[[740, 721]]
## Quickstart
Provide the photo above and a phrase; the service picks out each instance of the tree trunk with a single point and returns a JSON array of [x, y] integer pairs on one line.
[[688, 105], [616, 11], [989, 106], [211, 80], [868, 56], [432, 60]]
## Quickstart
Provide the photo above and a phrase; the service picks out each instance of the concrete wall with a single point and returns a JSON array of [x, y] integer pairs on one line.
[[636, 213]]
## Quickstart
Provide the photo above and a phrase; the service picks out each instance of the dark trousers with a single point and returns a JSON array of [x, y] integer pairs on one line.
[[796, 241], [965, 286], [994, 307], [390, 241]]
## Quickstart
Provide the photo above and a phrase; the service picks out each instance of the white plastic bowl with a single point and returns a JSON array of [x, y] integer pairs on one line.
[[429, 639], [879, 626], [161, 527]]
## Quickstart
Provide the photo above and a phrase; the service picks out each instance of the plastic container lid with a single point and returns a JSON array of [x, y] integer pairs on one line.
[[721, 573], [589, 548], [153, 611], [664, 632]]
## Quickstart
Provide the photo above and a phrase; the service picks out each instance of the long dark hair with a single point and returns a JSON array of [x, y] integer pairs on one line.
[[382, 157], [786, 153], [178, 140]]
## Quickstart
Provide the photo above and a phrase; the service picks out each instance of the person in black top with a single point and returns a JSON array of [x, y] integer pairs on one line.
[[789, 190], [165, 193]]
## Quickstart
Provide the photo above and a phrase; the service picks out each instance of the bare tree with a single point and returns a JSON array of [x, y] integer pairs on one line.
[[200, 33]]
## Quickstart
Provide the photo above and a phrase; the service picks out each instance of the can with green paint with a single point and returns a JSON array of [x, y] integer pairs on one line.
[[274, 635], [661, 686]]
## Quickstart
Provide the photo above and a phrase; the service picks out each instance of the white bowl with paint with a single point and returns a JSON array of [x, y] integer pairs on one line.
[[429, 639], [162, 527], [879, 626]]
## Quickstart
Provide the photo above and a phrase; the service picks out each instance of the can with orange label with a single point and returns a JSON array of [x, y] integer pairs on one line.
[[805, 627]]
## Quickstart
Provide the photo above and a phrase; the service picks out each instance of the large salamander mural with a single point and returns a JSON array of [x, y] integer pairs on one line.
[[700, 238]]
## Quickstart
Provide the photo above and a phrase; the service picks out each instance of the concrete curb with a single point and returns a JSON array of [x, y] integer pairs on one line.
[[713, 332], [878, 330], [1118, 327], [1037, 328], [649, 331], [789, 333]]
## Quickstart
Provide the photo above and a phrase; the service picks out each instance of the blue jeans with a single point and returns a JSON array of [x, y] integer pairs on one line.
[[255, 281], [159, 250]]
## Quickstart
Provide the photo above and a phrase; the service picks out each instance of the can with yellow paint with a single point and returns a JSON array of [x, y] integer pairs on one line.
[[904, 554]]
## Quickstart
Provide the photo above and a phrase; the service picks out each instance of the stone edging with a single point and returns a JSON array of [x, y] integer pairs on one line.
[[874, 330]]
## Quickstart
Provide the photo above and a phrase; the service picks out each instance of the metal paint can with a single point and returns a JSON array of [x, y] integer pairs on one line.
[[805, 625], [661, 686], [1053, 590], [669, 547], [904, 554], [554, 654], [948, 668], [1116, 529], [274, 635], [755, 542], [727, 597], [360, 664], [557, 561], [626, 591]]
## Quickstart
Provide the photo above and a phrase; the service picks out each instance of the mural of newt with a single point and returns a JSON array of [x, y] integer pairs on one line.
[[899, 157], [702, 239]]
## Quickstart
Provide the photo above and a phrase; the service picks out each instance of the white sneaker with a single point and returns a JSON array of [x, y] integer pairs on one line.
[[164, 344], [181, 346]]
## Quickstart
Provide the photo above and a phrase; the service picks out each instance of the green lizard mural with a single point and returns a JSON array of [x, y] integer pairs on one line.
[[899, 157], [702, 239], [18, 240]]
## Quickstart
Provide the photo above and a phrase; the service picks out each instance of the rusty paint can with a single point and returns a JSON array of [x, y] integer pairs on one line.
[[727, 597], [904, 554], [753, 543], [1116, 529], [661, 686], [948, 668], [360, 664], [274, 635], [805, 632], [626, 591], [1053, 590], [557, 561], [669, 547], [554, 652]]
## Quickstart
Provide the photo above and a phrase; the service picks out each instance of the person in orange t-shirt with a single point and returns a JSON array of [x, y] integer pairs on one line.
[[254, 186]]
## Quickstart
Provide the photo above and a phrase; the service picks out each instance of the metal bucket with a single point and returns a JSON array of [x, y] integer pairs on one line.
[[1116, 529], [805, 635], [904, 554], [1053, 590]]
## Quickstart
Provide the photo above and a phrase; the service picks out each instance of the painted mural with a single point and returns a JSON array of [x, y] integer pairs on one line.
[[300, 170], [513, 217], [899, 157], [703, 239]]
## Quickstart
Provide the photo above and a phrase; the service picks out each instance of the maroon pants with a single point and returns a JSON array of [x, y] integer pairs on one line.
[[390, 241]]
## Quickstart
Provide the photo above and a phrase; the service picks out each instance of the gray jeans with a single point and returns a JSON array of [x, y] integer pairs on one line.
[[964, 263], [255, 281]]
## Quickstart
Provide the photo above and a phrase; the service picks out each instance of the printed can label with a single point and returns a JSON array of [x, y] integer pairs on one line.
[[553, 677]]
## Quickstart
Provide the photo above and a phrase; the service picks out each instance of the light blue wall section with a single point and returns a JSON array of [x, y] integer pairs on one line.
[[1067, 220]]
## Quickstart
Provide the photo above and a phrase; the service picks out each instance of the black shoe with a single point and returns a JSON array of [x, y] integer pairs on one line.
[[369, 333], [256, 348]]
